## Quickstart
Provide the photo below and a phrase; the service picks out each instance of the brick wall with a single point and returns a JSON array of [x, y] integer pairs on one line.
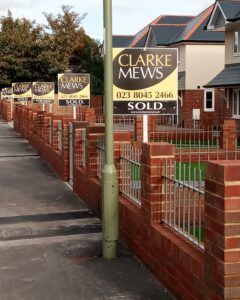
[[222, 223], [97, 104], [187, 270], [183, 267], [6, 110], [194, 99]]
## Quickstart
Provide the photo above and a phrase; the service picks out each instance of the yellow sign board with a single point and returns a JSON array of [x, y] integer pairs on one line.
[[43, 92], [73, 89], [22, 91], [145, 81]]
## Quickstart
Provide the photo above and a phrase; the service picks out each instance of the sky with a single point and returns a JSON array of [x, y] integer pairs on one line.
[[129, 16]]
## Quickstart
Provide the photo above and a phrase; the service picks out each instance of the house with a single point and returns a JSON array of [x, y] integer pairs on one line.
[[226, 18], [201, 57]]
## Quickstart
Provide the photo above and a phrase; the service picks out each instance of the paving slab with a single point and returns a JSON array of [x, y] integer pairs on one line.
[[7, 130], [73, 269], [28, 186]]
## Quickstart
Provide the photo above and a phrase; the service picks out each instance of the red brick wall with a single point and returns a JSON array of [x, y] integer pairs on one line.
[[194, 99], [177, 263], [222, 223], [188, 271], [5, 110], [97, 104]]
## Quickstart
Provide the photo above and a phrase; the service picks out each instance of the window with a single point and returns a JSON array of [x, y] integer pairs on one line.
[[236, 46], [236, 103], [209, 100]]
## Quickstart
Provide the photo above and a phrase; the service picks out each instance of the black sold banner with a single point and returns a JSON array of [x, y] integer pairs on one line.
[[43, 92], [73, 89], [22, 91], [145, 81]]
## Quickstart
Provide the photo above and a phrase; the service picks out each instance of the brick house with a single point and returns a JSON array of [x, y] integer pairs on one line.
[[226, 18], [201, 57]]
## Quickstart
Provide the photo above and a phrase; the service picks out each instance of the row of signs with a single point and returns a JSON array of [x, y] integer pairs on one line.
[[144, 82], [73, 89]]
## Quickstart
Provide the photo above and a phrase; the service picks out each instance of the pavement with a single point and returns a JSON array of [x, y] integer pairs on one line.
[[50, 242]]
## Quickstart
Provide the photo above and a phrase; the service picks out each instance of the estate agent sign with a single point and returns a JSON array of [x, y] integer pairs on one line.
[[73, 89], [22, 91], [3, 94], [145, 81], [8, 93], [43, 92]]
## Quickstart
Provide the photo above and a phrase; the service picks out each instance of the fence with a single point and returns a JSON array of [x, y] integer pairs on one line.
[[121, 123], [50, 131], [130, 172], [184, 201], [59, 129], [84, 147], [161, 202], [101, 156], [187, 137]]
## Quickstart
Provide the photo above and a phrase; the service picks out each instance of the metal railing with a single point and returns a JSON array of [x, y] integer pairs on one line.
[[187, 137], [84, 147], [101, 156], [130, 172], [50, 130], [124, 123], [70, 144], [121, 123], [59, 131], [199, 156], [167, 120], [184, 201]]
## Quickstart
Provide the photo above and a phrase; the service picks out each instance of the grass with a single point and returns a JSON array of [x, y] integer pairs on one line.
[[197, 231], [179, 171], [189, 171], [135, 172]]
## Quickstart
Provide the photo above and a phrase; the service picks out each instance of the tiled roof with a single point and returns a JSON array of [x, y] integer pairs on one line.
[[141, 37], [195, 31], [169, 30], [230, 76], [174, 20], [231, 9], [165, 34], [121, 41]]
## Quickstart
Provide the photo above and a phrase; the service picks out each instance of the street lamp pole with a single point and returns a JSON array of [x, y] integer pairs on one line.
[[110, 209]]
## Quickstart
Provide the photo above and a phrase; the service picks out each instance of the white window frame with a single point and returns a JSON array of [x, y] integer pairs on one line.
[[236, 37], [205, 101], [233, 102]]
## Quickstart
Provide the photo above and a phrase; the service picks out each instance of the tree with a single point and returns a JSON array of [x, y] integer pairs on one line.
[[21, 47], [71, 48], [87, 57], [64, 31], [30, 52]]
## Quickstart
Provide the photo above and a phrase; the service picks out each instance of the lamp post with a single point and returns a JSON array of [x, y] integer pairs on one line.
[[110, 180]]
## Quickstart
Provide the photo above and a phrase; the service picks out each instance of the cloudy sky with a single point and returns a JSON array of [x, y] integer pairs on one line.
[[129, 16]]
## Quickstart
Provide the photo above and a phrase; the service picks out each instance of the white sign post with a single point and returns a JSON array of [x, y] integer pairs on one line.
[[145, 128]]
